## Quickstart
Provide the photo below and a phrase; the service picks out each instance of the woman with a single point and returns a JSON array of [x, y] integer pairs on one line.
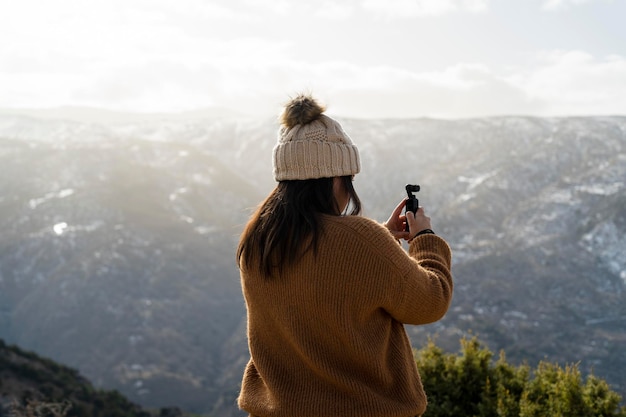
[[328, 293]]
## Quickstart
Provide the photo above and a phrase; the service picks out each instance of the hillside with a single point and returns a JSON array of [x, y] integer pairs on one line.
[[26, 377], [117, 251]]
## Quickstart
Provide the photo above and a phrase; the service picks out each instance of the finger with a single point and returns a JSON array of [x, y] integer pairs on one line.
[[400, 234], [410, 217], [398, 210]]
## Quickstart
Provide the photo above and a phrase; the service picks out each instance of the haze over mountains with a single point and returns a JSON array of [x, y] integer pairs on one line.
[[118, 240]]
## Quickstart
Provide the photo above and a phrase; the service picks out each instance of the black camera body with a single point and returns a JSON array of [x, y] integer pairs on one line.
[[412, 204]]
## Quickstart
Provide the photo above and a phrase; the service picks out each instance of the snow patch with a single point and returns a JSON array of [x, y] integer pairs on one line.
[[35, 202], [606, 242], [601, 189], [475, 181], [59, 228]]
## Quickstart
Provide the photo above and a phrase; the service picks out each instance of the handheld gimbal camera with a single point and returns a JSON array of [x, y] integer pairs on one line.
[[412, 203]]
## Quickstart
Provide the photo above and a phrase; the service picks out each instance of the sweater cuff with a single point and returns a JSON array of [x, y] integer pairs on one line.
[[423, 232]]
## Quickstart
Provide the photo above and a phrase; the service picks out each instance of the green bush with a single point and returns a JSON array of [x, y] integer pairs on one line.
[[471, 384]]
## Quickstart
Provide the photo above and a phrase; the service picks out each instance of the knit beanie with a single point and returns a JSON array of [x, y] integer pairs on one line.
[[311, 144]]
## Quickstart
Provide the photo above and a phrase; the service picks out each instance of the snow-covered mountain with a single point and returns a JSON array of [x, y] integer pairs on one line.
[[118, 240]]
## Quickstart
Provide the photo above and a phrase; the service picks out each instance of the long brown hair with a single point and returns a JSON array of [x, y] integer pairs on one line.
[[287, 223]]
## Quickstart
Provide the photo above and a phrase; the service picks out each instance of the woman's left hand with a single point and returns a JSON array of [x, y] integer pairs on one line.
[[397, 222]]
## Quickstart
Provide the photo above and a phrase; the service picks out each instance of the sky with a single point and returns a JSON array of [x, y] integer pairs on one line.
[[362, 58]]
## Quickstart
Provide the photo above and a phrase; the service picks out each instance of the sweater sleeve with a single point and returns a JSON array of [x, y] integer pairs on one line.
[[414, 287], [423, 292]]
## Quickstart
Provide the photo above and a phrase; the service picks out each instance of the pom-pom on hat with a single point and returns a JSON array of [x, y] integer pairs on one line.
[[312, 145]]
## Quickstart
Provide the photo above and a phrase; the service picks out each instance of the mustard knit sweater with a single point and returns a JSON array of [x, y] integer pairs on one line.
[[327, 339]]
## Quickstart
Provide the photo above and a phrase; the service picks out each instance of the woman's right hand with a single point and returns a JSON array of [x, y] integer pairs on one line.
[[417, 222]]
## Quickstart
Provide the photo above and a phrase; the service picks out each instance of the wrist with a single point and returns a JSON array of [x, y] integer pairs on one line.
[[422, 232]]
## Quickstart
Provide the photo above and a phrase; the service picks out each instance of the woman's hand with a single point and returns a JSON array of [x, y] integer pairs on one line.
[[397, 222], [417, 222]]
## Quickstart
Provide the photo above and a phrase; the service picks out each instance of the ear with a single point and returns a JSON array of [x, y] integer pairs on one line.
[[341, 194], [337, 186]]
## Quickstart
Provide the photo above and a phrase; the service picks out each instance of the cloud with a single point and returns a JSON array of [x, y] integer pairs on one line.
[[423, 8], [552, 5], [332, 10], [280, 7], [233, 75], [462, 90], [555, 83], [152, 55], [142, 63], [579, 83]]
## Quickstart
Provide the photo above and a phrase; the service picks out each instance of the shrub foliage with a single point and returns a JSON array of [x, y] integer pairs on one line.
[[468, 384], [472, 384]]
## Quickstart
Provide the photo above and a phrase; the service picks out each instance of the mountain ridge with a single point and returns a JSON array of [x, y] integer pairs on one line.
[[28, 381], [117, 255]]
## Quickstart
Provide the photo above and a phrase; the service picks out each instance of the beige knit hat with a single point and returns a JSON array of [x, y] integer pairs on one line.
[[312, 145]]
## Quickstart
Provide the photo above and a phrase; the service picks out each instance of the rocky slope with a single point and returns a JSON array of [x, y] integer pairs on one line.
[[117, 251], [32, 385]]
